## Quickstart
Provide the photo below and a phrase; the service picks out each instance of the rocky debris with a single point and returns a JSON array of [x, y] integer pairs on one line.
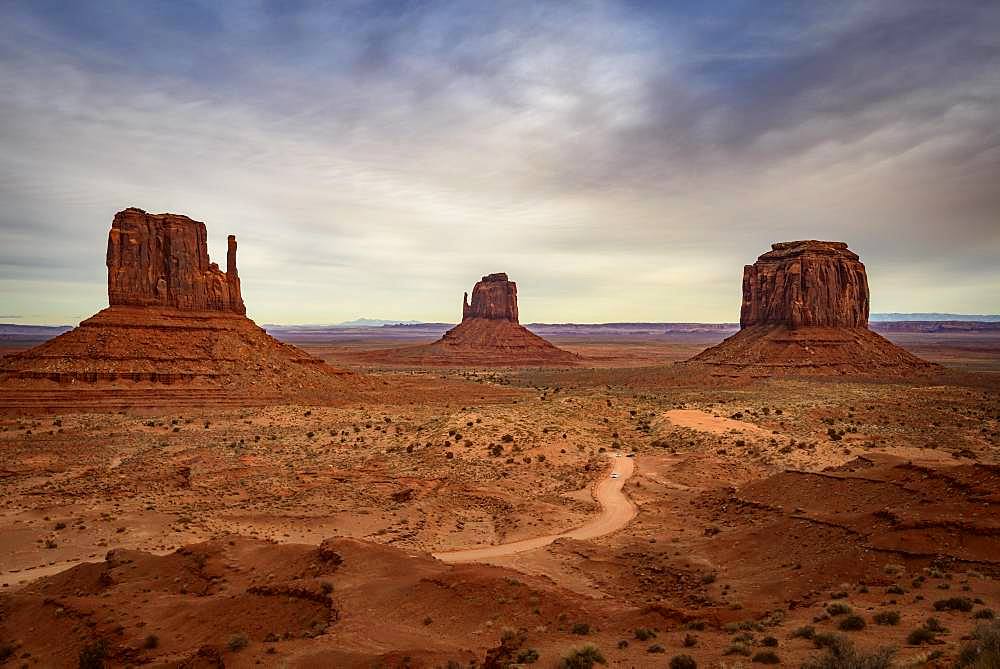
[[806, 283], [493, 298], [805, 311], [489, 335], [162, 260]]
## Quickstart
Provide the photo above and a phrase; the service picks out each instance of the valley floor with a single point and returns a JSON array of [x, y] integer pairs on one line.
[[768, 515]]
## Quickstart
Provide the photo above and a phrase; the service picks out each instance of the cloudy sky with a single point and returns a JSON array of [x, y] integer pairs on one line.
[[620, 160]]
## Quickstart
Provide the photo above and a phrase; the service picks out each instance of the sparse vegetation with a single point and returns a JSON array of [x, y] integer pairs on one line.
[[886, 618], [92, 655], [766, 657], [953, 604], [841, 654], [839, 609], [806, 632], [852, 623], [683, 662], [582, 658], [983, 650]]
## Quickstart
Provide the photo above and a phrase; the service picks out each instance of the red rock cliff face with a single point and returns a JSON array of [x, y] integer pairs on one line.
[[493, 298], [806, 283], [162, 260]]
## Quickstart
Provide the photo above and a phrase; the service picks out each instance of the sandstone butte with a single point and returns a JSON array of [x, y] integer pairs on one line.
[[175, 332], [805, 311], [489, 335]]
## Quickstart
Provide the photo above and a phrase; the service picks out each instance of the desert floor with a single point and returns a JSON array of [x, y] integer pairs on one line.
[[747, 520]]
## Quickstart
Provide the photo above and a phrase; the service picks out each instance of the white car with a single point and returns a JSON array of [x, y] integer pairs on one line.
[[615, 475]]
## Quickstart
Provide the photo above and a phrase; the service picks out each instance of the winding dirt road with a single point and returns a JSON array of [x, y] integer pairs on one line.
[[616, 512]]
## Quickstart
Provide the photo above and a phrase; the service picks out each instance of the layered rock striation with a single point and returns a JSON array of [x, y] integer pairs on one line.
[[175, 319], [162, 260], [806, 283], [493, 298], [805, 311], [489, 335]]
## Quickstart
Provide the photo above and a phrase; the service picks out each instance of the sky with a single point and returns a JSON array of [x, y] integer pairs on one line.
[[621, 161]]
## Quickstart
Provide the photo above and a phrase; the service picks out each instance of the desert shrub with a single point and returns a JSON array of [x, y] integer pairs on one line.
[[582, 629], [582, 658], [737, 649], [644, 634], [527, 656], [892, 569], [953, 604], [934, 625], [806, 632], [238, 642], [895, 590], [839, 609], [507, 438], [92, 655], [828, 640], [656, 648], [920, 636], [984, 614], [983, 651], [690, 640], [151, 642], [769, 641], [766, 657], [886, 618], [852, 623], [843, 655], [6, 652], [683, 662]]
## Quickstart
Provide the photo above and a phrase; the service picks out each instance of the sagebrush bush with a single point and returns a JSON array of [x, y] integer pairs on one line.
[[983, 651], [582, 658], [683, 662], [766, 657], [886, 618], [852, 623], [841, 654]]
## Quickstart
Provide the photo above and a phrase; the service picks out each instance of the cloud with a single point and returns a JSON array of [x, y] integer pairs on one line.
[[621, 161]]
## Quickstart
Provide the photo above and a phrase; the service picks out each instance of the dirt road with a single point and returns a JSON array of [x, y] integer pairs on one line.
[[616, 512]]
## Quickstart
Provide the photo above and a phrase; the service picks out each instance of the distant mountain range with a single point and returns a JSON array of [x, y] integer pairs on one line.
[[373, 322], [881, 322], [979, 318]]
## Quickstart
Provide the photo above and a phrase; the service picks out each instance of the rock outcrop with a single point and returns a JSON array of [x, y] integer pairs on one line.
[[806, 283], [493, 298], [805, 311], [489, 335], [162, 260], [175, 333]]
